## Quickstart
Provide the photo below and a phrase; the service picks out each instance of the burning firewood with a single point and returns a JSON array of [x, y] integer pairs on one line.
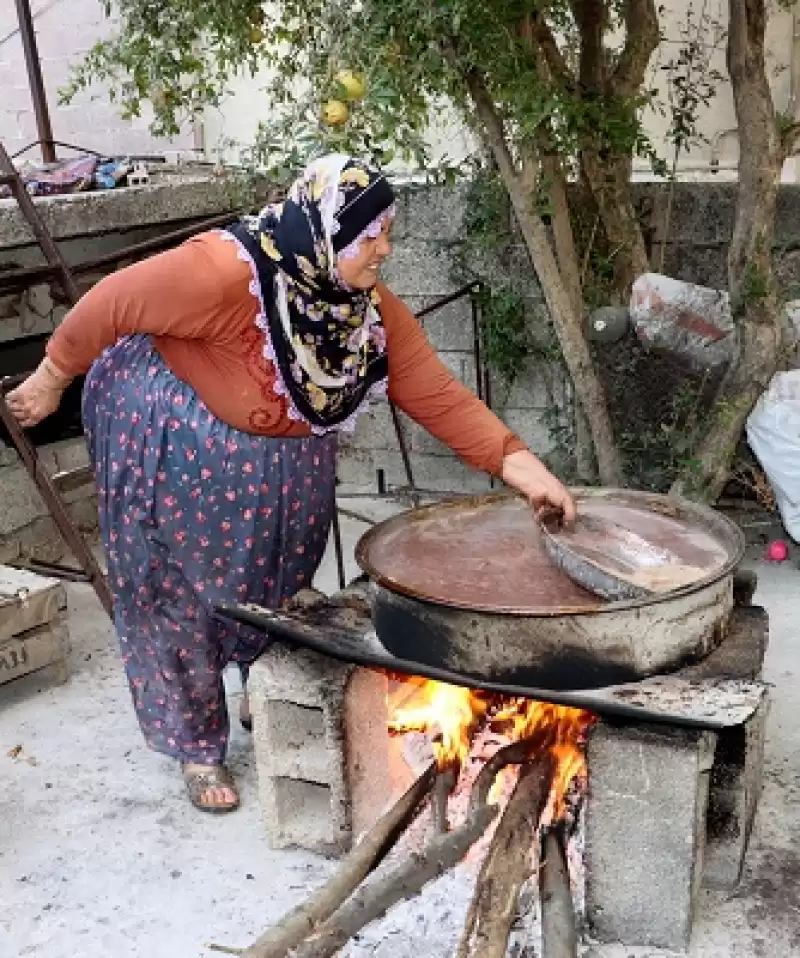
[[365, 857], [559, 933], [507, 865]]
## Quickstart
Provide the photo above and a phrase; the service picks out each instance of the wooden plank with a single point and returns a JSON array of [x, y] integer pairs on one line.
[[27, 601], [37, 649]]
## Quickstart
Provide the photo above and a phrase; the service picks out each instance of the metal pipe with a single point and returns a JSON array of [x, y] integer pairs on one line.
[[401, 440], [36, 81], [337, 545]]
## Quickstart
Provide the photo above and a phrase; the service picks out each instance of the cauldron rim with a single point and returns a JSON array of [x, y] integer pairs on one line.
[[727, 533]]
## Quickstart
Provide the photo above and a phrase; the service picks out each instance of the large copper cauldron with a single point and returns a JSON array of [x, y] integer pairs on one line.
[[468, 586]]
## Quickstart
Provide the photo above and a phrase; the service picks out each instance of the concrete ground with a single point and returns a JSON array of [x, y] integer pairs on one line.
[[102, 855]]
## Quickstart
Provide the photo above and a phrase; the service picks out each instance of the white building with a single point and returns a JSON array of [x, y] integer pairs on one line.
[[67, 28]]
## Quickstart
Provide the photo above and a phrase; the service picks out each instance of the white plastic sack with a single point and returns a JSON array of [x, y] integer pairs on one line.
[[773, 432]]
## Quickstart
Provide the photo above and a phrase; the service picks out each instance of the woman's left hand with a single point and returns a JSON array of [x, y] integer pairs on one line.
[[528, 475]]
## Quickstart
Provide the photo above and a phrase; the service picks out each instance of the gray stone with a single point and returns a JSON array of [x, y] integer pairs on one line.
[[645, 832], [374, 429], [449, 328], [435, 213], [531, 427], [40, 300], [321, 746], [21, 501]]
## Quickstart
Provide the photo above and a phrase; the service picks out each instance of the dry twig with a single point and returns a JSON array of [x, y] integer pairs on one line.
[[559, 933]]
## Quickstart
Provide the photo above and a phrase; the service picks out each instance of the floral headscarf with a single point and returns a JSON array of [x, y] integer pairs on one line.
[[326, 340]]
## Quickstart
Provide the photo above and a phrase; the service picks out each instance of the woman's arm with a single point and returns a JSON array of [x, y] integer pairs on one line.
[[180, 293], [422, 386]]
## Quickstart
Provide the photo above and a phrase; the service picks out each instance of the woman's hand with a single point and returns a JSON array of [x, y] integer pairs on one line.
[[525, 473], [39, 396]]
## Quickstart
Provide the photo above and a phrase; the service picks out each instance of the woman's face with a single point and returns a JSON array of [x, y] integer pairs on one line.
[[360, 271]]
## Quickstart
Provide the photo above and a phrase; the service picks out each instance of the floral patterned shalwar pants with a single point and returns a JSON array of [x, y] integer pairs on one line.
[[194, 513]]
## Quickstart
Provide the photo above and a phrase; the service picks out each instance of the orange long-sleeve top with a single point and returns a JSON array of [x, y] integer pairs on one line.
[[195, 303]]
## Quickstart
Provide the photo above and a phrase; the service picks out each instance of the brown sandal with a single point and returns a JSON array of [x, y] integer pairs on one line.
[[199, 781]]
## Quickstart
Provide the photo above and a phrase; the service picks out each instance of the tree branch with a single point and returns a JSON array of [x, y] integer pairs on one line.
[[642, 37], [536, 29]]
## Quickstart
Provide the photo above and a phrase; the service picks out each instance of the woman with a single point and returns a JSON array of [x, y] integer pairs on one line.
[[219, 375]]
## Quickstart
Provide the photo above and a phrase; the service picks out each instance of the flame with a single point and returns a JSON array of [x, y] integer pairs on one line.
[[453, 714]]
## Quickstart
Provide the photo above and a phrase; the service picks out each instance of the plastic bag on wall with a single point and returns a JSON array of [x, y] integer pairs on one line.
[[773, 432]]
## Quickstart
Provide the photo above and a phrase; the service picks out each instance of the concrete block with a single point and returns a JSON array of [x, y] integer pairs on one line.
[[735, 788], [36, 649], [374, 429], [28, 601], [437, 473], [321, 746], [531, 427], [21, 501], [448, 328], [645, 832]]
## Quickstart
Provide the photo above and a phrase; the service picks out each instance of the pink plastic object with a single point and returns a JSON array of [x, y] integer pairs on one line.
[[777, 551]]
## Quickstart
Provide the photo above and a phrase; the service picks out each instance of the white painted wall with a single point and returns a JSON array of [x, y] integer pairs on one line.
[[67, 28]]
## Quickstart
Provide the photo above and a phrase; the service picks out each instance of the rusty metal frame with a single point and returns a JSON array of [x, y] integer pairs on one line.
[[35, 80]]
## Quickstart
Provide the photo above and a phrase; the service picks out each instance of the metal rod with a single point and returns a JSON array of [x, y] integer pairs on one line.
[[477, 352], [401, 440], [57, 508], [446, 300], [38, 92]]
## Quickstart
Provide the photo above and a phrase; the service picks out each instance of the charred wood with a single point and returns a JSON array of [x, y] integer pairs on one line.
[[508, 863], [365, 857], [559, 931]]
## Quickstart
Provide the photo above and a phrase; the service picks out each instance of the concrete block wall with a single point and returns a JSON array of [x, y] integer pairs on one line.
[[26, 527], [422, 270]]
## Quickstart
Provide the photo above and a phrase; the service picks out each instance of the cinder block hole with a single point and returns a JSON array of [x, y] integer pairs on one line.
[[723, 822], [297, 740], [303, 810]]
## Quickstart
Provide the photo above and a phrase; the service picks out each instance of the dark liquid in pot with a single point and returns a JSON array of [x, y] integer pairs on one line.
[[491, 556]]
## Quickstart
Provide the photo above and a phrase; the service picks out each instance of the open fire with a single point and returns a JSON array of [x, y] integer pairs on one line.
[[459, 720]]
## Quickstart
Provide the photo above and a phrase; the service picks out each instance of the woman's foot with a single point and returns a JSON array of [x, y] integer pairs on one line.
[[211, 787], [244, 712]]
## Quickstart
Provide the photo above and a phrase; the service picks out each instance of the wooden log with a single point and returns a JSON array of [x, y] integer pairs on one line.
[[276, 942], [507, 865], [405, 881], [559, 930], [445, 783]]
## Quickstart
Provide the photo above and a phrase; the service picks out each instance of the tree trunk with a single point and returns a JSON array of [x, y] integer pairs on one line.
[[568, 325], [609, 181], [569, 264], [754, 300]]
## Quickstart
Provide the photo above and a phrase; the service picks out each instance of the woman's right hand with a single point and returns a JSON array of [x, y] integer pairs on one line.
[[39, 395]]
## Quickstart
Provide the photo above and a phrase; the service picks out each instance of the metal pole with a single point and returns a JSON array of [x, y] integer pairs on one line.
[[36, 81]]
